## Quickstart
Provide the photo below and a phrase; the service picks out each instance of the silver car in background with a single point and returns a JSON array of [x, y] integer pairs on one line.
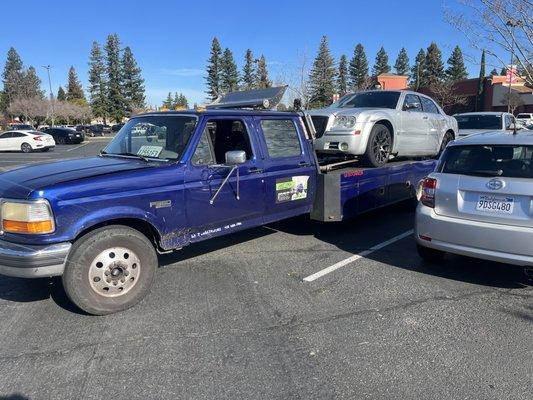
[[479, 200], [486, 121], [376, 124]]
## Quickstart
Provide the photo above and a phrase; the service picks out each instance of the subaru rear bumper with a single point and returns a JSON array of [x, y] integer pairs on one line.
[[30, 261]]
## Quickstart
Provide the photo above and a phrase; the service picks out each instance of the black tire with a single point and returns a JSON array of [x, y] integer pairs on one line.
[[60, 140], [430, 255], [379, 146], [447, 138], [93, 257], [46, 149], [26, 148]]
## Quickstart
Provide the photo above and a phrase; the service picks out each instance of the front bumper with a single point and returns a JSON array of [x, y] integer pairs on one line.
[[331, 143], [487, 241], [30, 261]]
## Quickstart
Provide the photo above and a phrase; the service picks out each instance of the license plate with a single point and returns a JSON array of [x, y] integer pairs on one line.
[[495, 204]]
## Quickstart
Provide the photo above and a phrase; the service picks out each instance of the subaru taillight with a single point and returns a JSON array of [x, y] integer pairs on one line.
[[427, 195]]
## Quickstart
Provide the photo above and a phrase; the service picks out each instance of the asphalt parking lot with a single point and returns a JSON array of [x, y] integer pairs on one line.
[[236, 318]]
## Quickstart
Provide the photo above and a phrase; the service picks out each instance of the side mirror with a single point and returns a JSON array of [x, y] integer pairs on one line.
[[235, 157]]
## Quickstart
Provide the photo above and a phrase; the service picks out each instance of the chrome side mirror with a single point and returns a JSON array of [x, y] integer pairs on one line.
[[235, 157]]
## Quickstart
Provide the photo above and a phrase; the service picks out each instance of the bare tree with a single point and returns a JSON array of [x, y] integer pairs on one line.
[[71, 112], [29, 108], [496, 26], [445, 94], [296, 77], [512, 99]]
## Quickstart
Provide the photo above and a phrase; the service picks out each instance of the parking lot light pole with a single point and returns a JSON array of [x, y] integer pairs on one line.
[[47, 67], [511, 23]]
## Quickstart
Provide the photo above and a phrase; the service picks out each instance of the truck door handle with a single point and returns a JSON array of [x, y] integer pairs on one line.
[[255, 170], [303, 164]]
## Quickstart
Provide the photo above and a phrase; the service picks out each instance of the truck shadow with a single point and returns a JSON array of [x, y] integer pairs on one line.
[[367, 230]]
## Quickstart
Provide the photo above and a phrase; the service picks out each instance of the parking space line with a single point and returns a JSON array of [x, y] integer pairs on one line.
[[78, 147], [356, 257]]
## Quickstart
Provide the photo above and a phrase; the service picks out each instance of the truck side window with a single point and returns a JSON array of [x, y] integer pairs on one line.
[[203, 154], [281, 138], [229, 135]]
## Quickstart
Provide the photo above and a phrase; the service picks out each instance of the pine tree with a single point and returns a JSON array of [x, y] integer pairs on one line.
[[11, 78], [381, 65], [322, 77], [401, 65], [169, 102], [31, 85], [229, 75], [184, 103], [132, 81], [61, 95], [97, 83], [262, 81], [480, 98], [358, 68], [74, 89], [494, 72], [213, 70], [433, 67], [248, 71], [503, 71], [116, 101], [456, 70], [342, 76], [418, 69]]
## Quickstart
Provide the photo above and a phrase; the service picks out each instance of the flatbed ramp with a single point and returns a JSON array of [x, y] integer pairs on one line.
[[349, 191]]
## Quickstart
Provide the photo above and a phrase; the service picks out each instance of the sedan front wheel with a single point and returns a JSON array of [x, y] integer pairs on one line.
[[379, 146]]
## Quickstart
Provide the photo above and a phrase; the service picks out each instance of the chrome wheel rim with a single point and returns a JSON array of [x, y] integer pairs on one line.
[[114, 272], [381, 146]]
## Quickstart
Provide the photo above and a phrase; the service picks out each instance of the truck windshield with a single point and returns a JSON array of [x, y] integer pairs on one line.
[[479, 121], [162, 137], [374, 99]]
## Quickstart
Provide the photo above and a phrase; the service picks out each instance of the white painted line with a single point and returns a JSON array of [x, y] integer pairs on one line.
[[356, 257], [78, 147]]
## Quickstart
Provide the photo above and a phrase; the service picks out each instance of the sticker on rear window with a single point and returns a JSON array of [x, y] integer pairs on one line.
[[150, 151], [291, 189]]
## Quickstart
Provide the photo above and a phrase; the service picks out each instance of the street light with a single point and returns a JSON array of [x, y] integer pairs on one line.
[[511, 23], [47, 67]]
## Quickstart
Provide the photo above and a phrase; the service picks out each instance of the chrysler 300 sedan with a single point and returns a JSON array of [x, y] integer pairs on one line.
[[479, 200]]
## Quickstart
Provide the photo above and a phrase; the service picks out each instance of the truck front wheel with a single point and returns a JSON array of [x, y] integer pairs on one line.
[[109, 269]]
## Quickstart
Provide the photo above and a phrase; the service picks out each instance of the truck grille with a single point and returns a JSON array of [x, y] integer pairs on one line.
[[320, 123]]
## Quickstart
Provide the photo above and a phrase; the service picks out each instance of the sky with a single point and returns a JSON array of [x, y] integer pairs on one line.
[[171, 40]]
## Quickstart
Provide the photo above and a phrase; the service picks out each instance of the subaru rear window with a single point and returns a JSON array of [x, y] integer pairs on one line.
[[513, 161]]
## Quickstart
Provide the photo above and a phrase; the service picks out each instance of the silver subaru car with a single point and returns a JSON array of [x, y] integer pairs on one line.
[[479, 200]]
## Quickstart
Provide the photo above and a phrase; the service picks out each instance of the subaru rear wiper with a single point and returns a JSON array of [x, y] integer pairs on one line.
[[487, 172]]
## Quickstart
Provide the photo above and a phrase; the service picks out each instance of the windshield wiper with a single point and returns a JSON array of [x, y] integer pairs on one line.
[[487, 172], [133, 155]]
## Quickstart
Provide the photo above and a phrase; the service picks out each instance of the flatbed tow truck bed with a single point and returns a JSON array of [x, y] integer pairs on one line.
[[351, 190]]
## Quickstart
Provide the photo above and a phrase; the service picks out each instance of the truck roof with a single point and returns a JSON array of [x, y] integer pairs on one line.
[[222, 112]]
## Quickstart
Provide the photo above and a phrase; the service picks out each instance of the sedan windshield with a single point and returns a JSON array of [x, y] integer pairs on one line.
[[374, 99], [479, 121], [163, 137]]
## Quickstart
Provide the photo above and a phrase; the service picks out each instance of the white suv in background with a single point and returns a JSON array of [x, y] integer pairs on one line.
[[376, 124], [525, 118], [484, 121]]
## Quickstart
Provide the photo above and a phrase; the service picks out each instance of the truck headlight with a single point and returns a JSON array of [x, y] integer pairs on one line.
[[29, 217], [344, 122]]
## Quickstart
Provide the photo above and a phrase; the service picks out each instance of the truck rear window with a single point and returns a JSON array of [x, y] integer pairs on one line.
[[513, 161]]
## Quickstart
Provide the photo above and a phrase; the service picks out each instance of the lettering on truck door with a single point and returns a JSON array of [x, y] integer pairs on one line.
[[206, 172], [290, 173]]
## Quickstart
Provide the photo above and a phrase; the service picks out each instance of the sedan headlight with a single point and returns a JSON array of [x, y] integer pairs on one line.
[[344, 122], [29, 217]]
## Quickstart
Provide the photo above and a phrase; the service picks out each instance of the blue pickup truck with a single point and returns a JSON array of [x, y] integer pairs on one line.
[[169, 179]]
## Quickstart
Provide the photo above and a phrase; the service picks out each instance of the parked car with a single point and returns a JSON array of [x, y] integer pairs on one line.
[[83, 128], [26, 141], [525, 118], [379, 123], [99, 130], [486, 121], [65, 135], [478, 201], [20, 127], [115, 128]]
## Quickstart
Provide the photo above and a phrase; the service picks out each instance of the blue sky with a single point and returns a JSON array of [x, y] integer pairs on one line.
[[171, 40]]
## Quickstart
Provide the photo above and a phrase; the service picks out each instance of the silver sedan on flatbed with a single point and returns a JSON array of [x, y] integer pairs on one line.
[[376, 124], [479, 200]]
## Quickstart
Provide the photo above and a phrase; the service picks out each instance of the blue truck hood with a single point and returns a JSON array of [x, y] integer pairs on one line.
[[21, 182]]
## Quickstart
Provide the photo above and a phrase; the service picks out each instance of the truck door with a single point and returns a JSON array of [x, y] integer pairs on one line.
[[208, 216], [290, 171]]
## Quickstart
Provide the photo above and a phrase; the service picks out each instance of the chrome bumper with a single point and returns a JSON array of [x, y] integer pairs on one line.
[[30, 261]]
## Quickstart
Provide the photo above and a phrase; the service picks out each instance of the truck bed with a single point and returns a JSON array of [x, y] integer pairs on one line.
[[349, 191]]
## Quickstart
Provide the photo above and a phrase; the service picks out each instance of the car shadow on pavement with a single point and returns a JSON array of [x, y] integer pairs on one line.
[[367, 230], [14, 396]]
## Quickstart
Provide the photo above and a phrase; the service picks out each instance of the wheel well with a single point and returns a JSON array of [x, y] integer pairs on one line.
[[452, 132], [143, 227], [388, 124]]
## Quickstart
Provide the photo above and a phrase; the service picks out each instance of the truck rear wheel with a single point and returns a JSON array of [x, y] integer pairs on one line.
[[109, 270], [379, 146]]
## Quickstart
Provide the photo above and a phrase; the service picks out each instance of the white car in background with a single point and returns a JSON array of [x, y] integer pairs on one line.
[[26, 141], [525, 118], [485, 121], [377, 124]]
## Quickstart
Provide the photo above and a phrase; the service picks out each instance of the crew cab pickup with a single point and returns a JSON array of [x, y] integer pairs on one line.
[[169, 179]]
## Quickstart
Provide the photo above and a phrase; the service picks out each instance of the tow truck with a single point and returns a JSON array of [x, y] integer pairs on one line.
[[170, 179]]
